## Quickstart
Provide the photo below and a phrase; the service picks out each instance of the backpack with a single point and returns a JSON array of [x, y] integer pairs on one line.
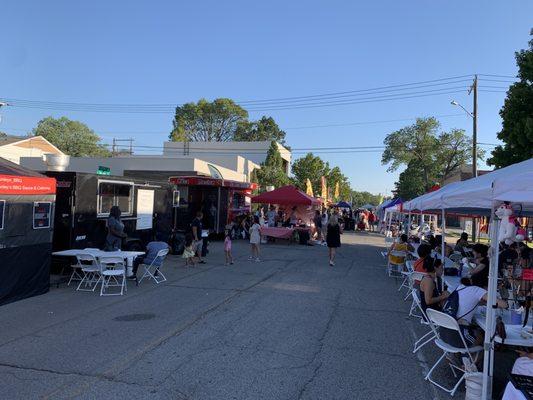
[[452, 304]]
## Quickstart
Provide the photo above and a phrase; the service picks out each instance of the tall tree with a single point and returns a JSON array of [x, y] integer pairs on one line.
[[205, 121], [336, 176], [417, 142], [517, 115], [264, 129], [71, 137], [309, 167], [271, 172], [430, 156], [410, 183]]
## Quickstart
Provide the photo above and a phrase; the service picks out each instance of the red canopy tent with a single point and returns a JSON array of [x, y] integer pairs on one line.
[[286, 195]]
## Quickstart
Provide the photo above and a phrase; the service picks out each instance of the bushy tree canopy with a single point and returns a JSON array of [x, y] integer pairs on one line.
[[517, 116], [71, 137], [264, 129], [271, 172]]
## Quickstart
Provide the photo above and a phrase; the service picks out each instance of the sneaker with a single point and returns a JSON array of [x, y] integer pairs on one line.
[[250, 258], [257, 260], [331, 263], [231, 263]]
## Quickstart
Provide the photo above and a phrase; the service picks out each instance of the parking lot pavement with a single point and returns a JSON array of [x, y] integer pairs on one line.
[[288, 327]]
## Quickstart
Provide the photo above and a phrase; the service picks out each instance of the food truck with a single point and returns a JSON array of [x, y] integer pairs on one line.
[[220, 200], [83, 202]]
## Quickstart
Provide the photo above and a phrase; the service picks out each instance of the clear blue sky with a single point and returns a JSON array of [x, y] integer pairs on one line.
[[147, 52]]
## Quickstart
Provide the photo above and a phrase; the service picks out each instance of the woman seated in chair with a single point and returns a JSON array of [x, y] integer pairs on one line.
[[438, 246], [480, 274], [469, 297], [462, 243], [403, 246], [431, 293]]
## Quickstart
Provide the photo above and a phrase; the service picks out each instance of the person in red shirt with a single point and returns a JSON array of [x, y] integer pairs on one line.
[[423, 251], [371, 220]]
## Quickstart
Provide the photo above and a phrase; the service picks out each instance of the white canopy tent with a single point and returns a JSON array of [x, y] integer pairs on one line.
[[480, 196]]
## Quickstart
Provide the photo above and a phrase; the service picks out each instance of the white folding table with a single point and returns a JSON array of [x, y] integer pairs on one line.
[[129, 256]]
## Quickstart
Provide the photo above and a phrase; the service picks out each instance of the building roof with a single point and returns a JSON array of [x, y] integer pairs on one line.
[[9, 168], [30, 142]]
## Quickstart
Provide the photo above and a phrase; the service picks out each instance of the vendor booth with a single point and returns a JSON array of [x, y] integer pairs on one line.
[[288, 197], [26, 223]]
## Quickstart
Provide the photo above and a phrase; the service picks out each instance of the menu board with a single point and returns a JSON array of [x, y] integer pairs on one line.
[[41, 215], [145, 209]]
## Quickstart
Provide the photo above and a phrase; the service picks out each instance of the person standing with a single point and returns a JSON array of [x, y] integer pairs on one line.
[[196, 230], [333, 237], [372, 221], [227, 248], [255, 239], [115, 230], [271, 217], [325, 218], [317, 220]]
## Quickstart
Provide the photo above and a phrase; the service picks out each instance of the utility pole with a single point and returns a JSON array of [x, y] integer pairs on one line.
[[114, 148], [473, 89]]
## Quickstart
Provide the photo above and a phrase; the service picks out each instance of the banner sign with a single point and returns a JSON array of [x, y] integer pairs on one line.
[[199, 181], [11, 184]]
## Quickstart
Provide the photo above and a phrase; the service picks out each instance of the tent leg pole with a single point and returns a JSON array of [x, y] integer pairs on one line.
[[443, 248], [488, 356]]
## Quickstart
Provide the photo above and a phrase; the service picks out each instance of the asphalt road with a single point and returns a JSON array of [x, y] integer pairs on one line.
[[289, 327]]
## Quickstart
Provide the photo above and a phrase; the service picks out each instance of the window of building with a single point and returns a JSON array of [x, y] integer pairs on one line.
[[42, 213], [115, 193]]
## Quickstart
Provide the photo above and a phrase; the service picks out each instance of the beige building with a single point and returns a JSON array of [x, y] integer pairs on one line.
[[228, 154], [12, 148]]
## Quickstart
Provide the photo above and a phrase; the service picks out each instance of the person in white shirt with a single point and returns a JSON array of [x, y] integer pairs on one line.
[[255, 239], [271, 216], [469, 298]]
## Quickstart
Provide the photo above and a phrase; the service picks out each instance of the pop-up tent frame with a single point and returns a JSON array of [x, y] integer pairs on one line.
[[477, 197]]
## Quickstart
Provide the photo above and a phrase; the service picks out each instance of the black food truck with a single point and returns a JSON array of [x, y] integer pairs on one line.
[[83, 202]]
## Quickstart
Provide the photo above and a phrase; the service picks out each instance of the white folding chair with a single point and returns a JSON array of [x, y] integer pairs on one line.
[[77, 274], [91, 272], [413, 279], [406, 274], [393, 269], [424, 320], [440, 319], [153, 271], [111, 269]]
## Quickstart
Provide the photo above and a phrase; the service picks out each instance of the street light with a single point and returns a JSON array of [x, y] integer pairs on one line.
[[454, 103]]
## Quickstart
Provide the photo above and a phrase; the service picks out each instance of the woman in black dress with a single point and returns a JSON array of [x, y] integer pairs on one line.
[[333, 238]]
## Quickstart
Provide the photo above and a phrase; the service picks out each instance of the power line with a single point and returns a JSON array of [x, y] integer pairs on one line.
[[499, 76]]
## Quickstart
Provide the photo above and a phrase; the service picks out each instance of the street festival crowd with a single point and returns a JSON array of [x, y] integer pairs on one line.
[[417, 255]]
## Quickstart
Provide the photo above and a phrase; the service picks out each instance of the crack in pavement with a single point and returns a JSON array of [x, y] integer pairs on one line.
[[320, 348]]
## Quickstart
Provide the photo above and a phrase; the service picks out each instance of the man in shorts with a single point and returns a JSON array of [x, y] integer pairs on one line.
[[196, 230]]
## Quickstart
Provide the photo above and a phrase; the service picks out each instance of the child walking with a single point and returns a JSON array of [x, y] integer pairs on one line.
[[255, 239], [188, 252], [227, 248]]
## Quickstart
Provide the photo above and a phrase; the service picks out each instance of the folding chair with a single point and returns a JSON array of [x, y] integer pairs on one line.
[[415, 276], [393, 269], [151, 270], [407, 275], [439, 319], [91, 272], [112, 268], [424, 320], [76, 274]]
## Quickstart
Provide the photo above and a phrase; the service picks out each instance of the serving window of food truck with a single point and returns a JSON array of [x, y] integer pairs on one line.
[[219, 200], [115, 193]]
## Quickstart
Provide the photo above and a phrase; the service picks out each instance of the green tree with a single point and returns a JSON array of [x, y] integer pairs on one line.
[[517, 115], [205, 121], [271, 172], [410, 183], [361, 198], [264, 129], [430, 156], [335, 175], [309, 167], [71, 137]]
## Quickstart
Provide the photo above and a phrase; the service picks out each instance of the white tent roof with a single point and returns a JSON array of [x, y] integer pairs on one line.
[[476, 195], [516, 189]]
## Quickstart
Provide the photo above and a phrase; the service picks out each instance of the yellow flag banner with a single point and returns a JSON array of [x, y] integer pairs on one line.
[[309, 187], [337, 191], [324, 188]]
